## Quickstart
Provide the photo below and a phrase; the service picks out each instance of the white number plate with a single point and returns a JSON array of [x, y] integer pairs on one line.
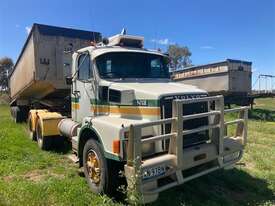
[[153, 172]]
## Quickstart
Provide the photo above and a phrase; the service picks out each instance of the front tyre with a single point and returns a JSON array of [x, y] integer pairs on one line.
[[96, 168]]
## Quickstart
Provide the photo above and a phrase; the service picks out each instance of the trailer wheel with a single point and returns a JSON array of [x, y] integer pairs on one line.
[[96, 169], [12, 112], [45, 143], [16, 114], [24, 113]]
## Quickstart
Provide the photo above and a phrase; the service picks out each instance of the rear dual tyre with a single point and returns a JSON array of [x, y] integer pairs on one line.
[[19, 113], [32, 134], [46, 142], [16, 114]]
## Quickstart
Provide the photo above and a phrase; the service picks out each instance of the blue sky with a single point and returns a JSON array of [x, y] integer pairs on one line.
[[213, 30]]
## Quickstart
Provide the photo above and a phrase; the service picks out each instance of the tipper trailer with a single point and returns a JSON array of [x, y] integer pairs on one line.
[[230, 78], [38, 77], [127, 115]]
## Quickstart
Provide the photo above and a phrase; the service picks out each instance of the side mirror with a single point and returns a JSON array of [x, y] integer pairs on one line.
[[69, 80]]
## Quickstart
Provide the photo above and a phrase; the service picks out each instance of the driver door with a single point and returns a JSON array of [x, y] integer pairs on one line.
[[83, 87]]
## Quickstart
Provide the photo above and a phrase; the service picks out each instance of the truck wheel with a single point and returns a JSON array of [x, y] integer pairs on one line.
[[12, 112], [43, 142], [16, 114], [24, 110], [32, 134], [96, 168]]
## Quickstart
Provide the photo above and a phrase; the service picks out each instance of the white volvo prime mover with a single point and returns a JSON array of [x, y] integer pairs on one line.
[[121, 112]]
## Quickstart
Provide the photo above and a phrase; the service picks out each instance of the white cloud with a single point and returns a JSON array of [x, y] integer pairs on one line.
[[164, 41], [207, 47], [28, 29]]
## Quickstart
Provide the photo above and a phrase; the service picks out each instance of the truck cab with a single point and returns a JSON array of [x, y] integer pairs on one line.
[[131, 113]]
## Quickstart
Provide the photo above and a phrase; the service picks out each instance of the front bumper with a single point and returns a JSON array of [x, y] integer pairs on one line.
[[150, 188], [220, 152]]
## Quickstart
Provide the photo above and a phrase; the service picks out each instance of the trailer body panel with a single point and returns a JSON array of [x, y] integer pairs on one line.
[[25, 70], [226, 77], [43, 65]]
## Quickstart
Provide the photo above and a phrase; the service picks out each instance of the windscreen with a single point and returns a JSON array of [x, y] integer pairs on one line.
[[132, 65]]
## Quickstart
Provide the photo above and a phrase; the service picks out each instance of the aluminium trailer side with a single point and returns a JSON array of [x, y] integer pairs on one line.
[[39, 75], [231, 78]]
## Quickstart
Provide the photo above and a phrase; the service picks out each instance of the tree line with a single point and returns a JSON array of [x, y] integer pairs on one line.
[[6, 65], [179, 57]]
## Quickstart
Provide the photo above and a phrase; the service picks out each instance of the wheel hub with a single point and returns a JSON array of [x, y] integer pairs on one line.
[[93, 167]]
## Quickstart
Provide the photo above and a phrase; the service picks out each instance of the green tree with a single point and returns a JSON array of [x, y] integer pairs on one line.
[[6, 65], [180, 56]]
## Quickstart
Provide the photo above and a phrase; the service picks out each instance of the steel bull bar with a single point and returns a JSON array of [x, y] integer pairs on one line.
[[222, 149]]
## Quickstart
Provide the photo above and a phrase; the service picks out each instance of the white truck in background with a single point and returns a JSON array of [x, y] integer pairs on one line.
[[120, 111]]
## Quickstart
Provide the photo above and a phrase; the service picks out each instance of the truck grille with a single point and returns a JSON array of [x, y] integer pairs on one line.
[[194, 108]]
